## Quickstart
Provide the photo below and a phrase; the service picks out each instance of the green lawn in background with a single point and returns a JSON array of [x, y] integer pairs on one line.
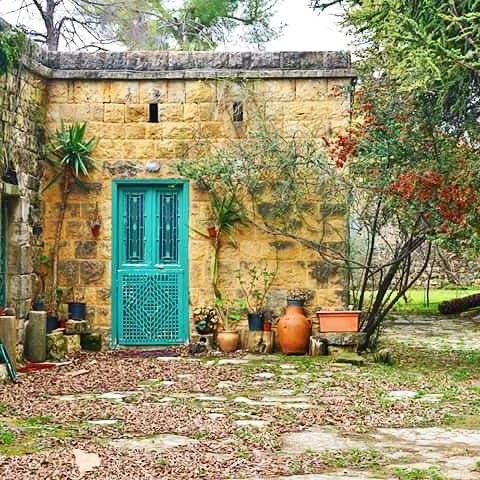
[[417, 297]]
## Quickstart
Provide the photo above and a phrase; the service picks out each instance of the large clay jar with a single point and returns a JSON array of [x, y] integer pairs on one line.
[[293, 330], [228, 341]]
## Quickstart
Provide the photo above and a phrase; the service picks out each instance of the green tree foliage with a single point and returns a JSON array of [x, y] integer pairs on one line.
[[194, 24], [12, 46], [148, 24], [431, 48]]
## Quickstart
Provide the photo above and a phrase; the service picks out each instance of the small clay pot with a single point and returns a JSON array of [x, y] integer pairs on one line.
[[212, 232], [293, 330], [228, 341]]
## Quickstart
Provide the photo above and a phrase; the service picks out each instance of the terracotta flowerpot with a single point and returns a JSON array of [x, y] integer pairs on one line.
[[228, 341], [293, 330], [212, 232], [338, 321]]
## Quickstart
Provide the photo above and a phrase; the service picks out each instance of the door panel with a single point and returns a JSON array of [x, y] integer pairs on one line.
[[151, 271]]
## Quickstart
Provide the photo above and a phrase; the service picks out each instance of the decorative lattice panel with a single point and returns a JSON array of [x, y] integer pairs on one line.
[[168, 228], [134, 221], [150, 309]]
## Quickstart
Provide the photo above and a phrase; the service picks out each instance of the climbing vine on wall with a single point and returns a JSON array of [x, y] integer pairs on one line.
[[12, 46]]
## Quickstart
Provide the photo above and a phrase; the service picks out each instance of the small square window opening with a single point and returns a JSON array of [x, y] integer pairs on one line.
[[238, 111]]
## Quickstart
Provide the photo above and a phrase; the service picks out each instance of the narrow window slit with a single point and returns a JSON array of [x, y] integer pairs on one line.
[[238, 111], [153, 113]]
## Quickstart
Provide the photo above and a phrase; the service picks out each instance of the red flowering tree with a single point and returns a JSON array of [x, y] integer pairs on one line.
[[406, 180], [412, 183]]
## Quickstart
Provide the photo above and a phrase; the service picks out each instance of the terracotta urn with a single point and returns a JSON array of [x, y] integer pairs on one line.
[[228, 341], [293, 330]]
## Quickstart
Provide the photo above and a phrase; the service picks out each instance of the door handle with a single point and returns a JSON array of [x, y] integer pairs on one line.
[[160, 266]]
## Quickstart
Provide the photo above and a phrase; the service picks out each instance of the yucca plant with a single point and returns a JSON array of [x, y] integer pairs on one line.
[[69, 156], [226, 213]]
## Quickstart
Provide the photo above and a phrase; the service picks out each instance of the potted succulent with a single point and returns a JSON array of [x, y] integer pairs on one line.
[[294, 327], [255, 283], [205, 319], [298, 297], [339, 321], [229, 313]]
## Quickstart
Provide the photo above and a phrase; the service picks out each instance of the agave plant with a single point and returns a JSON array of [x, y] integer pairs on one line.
[[69, 156]]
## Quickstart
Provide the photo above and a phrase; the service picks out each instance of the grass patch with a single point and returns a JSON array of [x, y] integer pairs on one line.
[[6, 435], [431, 473], [365, 458], [416, 299]]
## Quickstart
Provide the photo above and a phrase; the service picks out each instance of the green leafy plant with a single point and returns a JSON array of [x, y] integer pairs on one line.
[[12, 46], [229, 311], [255, 282], [70, 159], [431, 473], [226, 214], [6, 436]]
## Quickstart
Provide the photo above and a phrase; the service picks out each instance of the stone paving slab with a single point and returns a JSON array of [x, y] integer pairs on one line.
[[158, 443], [455, 451]]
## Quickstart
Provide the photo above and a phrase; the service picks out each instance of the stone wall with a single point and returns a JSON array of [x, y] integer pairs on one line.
[[22, 137], [195, 106]]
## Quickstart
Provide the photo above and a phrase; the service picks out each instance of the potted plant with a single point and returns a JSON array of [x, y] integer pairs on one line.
[[338, 321], [38, 303], [229, 313], [255, 283], [294, 327], [77, 308], [205, 319], [95, 222], [298, 297]]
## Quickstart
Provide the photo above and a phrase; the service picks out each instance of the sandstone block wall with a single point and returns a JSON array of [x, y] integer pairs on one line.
[[190, 111], [22, 139]]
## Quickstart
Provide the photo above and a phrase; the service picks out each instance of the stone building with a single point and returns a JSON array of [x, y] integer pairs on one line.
[[148, 264]]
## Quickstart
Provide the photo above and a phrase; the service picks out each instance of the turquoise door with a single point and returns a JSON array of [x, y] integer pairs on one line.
[[150, 264]]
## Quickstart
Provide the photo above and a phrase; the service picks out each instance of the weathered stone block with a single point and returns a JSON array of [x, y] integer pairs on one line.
[[136, 113], [91, 271], [56, 345], [171, 112], [310, 90], [35, 337], [68, 272], [76, 327], [92, 342], [176, 91], [73, 343], [114, 112], [343, 339], [178, 130], [349, 357], [200, 91], [124, 92], [135, 130], [86, 249], [153, 92]]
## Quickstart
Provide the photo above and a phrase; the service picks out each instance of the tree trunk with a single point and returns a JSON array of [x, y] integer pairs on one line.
[[458, 305], [58, 237]]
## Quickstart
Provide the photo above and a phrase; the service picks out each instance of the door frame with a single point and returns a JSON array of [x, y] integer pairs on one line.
[[184, 224]]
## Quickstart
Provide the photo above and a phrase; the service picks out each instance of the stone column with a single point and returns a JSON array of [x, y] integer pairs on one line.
[[8, 336], [36, 337]]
